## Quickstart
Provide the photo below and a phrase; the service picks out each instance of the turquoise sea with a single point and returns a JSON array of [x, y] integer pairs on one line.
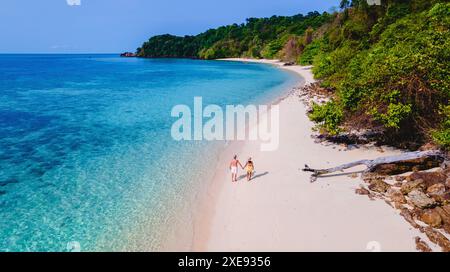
[[86, 155]]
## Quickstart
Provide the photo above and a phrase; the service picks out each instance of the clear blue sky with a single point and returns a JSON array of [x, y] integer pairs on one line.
[[102, 26]]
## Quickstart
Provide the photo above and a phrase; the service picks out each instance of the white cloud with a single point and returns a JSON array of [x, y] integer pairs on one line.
[[73, 2]]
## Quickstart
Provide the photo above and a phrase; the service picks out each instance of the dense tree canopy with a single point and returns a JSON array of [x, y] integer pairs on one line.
[[257, 37], [388, 65]]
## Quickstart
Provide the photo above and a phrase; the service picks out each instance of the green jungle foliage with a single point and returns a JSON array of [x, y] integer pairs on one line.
[[257, 38], [387, 66]]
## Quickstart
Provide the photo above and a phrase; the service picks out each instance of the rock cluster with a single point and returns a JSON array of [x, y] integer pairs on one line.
[[422, 198], [422, 246], [128, 55]]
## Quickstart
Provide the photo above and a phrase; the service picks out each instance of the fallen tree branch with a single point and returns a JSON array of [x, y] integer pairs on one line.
[[372, 165]]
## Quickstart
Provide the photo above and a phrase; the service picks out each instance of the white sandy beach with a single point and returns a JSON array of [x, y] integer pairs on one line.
[[280, 210]]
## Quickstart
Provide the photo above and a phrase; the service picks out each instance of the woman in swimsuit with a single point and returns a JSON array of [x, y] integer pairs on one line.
[[250, 167]]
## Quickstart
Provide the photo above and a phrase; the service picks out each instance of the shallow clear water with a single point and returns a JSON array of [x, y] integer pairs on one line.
[[85, 148]]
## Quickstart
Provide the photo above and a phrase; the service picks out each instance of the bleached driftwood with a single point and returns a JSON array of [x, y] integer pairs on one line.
[[372, 164]]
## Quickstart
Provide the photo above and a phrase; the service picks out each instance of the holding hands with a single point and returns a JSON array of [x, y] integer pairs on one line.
[[249, 166]]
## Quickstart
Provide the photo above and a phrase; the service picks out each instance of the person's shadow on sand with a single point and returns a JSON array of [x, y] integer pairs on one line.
[[254, 177]]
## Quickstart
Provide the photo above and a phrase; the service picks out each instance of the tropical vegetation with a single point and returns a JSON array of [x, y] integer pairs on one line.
[[387, 66]]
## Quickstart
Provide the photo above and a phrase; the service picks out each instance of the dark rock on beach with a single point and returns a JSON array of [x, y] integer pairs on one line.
[[408, 166], [445, 216], [349, 138], [436, 189], [446, 208], [420, 200], [411, 185], [422, 246], [442, 199], [399, 178], [406, 214], [432, 218], [437, 238], [438, 192], [396, 196], [362, 191], [379, 186], [429, 178]]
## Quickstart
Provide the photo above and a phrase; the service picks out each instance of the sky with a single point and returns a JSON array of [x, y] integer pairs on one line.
[[113, 26]]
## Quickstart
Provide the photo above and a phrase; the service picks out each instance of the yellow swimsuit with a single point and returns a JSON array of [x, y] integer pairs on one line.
[[249, 167]]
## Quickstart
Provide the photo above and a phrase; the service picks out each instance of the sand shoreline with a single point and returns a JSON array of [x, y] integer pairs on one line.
[[205, 211], [281, 211]]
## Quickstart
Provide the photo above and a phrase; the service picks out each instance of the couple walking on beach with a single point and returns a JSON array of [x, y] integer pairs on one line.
[[249, 167]]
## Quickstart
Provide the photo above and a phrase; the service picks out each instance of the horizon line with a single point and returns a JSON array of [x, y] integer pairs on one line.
[[51, 53]]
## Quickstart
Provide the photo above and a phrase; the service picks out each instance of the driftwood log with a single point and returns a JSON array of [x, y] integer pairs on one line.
[[405, 162]]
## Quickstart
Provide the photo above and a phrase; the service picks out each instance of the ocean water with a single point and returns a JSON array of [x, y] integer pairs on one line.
[[86, 155]]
